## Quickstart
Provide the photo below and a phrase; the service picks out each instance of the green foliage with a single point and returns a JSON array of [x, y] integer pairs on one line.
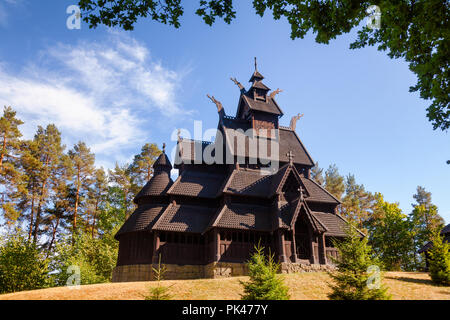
[[264, 283], [440, 261], [22, 265], [417, 31], [317, 174], [352, 278], [425, 221], [159, 292], [357, 204], [334, 182], [390, 235], [96, 259]]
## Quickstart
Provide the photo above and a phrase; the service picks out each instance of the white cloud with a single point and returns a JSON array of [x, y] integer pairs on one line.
[[95, 92]]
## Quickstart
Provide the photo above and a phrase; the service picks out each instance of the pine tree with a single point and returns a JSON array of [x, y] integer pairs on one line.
[[317, 174], [440, 260], [159, 292], [264, 283], [334, 182], [83, 169], [357, 203], [45, 156], [122, 178], [142, 167], [11, 178], [353, 279], [425, 221], [96, 198]]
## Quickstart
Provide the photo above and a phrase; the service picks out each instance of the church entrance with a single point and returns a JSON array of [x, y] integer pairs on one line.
[[302, 238]]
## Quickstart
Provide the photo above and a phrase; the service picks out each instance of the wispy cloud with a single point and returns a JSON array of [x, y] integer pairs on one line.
[[94, 92]]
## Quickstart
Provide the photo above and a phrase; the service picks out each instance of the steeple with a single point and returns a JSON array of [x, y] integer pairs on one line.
[[160, 182], [258, 90], [162, 164]]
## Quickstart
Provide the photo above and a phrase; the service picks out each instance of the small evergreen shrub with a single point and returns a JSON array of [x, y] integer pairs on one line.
[[264, 283], [440, 261], [352, 280], [159, 292]]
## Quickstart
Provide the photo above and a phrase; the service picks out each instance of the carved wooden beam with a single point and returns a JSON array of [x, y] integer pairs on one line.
[[274, 93], [294, 120], [241, 87], [216, 102]]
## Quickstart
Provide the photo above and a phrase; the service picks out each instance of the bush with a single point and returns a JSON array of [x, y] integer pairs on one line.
[[352, 278], [96, 258], [22, 265], [440, 261], [264, 283]]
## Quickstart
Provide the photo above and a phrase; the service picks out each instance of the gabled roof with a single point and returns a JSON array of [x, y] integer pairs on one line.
[[260, 85], [318, 193], [198, 184], [142, 219], [190, 151], [244, 217], [269, 106], [185, 218], [248, 183], [287, 141]]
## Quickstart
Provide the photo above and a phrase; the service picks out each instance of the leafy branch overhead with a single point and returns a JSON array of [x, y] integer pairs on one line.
[[417, 31]]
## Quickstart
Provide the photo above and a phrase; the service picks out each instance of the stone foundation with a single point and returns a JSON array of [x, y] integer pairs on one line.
[[143, 272], [287, 267]]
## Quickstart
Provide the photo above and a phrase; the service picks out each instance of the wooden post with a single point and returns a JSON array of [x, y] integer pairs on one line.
[[156, 245], [323, 248], [294, 246], [216, 245], [281, 249]]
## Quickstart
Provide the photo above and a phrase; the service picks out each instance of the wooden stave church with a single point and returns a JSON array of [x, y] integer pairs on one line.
[[207, 222]]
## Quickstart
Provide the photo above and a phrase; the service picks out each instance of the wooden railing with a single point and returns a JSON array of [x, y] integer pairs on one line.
[[331, 252]]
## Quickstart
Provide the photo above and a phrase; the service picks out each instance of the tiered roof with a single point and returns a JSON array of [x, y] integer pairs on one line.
[[231, 196]]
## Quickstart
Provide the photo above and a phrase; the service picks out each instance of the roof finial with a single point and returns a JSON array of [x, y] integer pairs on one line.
[[164, 147], [256, 65], [294, 120], [290, 155]]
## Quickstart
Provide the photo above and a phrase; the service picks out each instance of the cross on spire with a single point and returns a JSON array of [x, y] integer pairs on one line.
[[290, 155], [256, 65]]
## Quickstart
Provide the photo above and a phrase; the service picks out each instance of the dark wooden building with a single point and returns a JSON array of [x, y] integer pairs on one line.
[[207, 222], [444, 233]]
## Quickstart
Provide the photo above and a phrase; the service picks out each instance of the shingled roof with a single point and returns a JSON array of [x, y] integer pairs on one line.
[[185, 218], [161, 180], [158, 185], [445, 232], [269, 106], [249, 183], [198, 184], [243, 216], [318, 193], [142, 219]]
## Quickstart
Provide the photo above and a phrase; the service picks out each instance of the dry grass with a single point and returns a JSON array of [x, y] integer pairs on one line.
[[303, 286]]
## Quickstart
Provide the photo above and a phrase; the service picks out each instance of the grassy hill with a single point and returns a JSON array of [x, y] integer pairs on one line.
[[309, 286]]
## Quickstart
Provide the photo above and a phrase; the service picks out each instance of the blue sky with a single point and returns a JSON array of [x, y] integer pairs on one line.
[[117, 90]]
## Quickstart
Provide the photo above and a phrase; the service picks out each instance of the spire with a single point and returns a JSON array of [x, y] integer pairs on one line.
[[256, 76], [163, 162]]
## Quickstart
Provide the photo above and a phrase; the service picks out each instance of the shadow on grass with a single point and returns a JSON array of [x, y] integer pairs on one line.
[[413, 280]]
